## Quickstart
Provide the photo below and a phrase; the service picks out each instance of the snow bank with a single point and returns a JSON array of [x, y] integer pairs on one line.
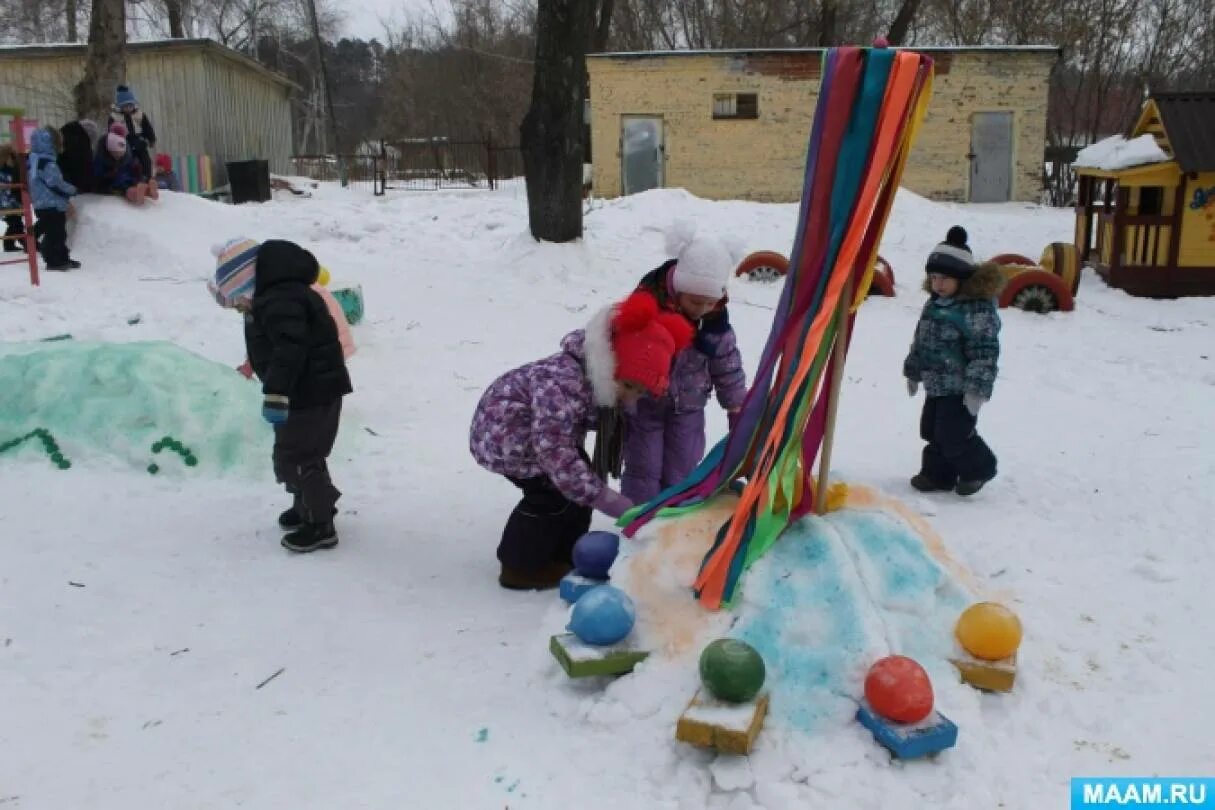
[[117, 400]]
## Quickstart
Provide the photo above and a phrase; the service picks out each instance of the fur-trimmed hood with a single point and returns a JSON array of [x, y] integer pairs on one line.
[[592, 346], [987, 282]]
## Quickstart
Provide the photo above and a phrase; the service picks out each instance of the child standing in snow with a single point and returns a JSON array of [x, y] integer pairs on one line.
[[665, 435], [10, 201], [531, 424], [51, 196], [954, 355], [294, 347]]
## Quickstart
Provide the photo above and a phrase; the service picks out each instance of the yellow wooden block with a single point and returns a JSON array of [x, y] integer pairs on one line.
[[730, 728], [993, 676]]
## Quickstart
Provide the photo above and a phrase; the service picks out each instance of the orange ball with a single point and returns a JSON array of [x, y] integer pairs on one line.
[[898, 689], [989, 631]]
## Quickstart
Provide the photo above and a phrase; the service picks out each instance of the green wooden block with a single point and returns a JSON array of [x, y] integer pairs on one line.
[[585, 660]]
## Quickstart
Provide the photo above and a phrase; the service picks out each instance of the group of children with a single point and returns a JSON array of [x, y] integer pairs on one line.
[[76, 160], [639, 375]]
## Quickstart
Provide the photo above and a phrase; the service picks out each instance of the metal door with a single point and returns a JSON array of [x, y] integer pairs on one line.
[[991, 157], [641, 154]]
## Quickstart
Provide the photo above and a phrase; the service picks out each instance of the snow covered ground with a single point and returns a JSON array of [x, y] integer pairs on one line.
[[140, 614]]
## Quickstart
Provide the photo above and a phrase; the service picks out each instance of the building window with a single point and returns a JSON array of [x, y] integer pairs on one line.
[[736, 105]]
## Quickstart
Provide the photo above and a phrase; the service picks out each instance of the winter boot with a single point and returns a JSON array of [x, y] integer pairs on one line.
[[925, 484], [310, 537], [292, 518], [544, 579], [968, 488]]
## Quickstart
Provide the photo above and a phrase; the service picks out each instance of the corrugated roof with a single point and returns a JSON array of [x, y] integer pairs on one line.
[[79, 49], [1189, 123], [1044, 49]]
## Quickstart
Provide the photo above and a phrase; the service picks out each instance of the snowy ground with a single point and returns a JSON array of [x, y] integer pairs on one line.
[[408, 679]]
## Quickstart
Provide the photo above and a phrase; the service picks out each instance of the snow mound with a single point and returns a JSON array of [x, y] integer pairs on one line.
[[118, 400], [1116, 152]]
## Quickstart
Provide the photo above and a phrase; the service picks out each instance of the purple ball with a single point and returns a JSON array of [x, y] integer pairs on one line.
[[594, 554]]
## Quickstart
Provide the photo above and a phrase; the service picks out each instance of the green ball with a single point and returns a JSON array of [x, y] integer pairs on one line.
[[191, 461], [153, 469], [732, 670], [65, 465], [57, 458]]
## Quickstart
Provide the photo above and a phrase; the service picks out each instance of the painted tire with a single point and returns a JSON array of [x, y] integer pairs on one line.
[[1061, 259], [763, 265], [883, 279], [1013, 259], [1037, 291]]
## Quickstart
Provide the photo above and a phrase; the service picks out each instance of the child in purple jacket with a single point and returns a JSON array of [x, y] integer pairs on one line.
[[665, 435], [531, 424]]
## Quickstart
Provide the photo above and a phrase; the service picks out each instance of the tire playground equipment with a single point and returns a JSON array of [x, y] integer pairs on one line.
[[1050, 285], [768, 265]]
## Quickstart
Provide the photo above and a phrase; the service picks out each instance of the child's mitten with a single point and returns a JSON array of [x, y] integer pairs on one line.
[[274, 409], [973, 402], [612, 503], [913, 387]]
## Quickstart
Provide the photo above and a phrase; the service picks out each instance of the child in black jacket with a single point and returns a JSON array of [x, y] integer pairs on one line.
[[293, 345]]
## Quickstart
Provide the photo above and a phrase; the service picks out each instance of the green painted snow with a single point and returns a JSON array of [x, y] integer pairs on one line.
[[122, 400]]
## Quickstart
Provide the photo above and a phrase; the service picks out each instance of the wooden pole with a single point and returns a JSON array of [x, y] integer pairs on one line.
[[833, 403]]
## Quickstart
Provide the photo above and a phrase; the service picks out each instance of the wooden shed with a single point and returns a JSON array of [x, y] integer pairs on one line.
[[209, 104], [1145, 218]]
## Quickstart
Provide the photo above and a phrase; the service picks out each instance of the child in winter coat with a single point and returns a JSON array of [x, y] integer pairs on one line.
[[76, 159], [531, 424], [665, 435], [118, 172], [10, 201], [166, 178], [141, 137], [292, 342], [339, 320], [51, 196], [954, 355]]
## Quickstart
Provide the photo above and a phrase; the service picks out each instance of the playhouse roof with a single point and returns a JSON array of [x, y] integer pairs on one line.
[[1187, 120], [1116, 153]]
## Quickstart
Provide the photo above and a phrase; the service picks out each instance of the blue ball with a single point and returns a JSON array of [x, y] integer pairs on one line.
[[594, 554], [603, 615]]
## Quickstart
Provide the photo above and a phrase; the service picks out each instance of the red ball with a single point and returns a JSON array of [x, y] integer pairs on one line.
[[898, 689]]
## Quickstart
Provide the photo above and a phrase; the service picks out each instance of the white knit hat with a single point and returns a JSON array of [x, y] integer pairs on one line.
[[702, 261]]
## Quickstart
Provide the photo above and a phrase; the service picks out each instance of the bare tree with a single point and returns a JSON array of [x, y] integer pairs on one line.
[[897, 34], [106, 64], [551, 134]]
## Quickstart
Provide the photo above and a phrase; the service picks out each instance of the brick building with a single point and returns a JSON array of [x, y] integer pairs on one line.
[[734, 124]]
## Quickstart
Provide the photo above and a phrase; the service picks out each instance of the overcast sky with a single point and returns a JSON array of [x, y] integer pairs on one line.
[[363, 16]]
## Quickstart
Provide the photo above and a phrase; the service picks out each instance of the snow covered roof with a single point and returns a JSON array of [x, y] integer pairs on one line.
[[1116, 153]]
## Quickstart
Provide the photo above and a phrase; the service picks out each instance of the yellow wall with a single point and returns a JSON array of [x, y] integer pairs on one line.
[[764, 159], [1198, 224]]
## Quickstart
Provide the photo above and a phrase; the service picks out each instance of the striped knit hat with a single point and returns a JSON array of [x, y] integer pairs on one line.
[[952, 257], [235, 271]]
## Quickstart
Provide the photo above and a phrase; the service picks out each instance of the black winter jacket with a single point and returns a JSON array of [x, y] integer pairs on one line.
[[291, 339]]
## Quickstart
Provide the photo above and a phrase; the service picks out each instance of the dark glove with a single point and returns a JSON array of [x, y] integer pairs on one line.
[[275, 409]]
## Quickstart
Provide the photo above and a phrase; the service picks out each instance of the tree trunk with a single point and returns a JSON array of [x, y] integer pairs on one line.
[[902, 22], [551, 134], [826, 24], [176, 28], [603, 29], [70, 8], [106, 65]]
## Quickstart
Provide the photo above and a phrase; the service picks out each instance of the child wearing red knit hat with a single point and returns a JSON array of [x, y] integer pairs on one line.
[[531, 424]]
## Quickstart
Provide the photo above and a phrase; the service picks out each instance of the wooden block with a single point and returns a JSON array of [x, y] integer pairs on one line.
[[992, 676], [574, 585], [581, 660], [933, 734], [730, 728]]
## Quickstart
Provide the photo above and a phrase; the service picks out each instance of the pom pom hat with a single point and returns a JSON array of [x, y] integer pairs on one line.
[[952, 257], [702, 262], [645, 342]]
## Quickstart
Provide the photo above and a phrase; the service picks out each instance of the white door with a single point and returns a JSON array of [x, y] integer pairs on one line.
[[991, 157], [641, 153]]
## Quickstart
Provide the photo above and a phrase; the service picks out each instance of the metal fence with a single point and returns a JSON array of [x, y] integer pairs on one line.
[[422, 164]]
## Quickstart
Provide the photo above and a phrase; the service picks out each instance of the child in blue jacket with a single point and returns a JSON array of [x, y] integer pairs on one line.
[[51, 196]]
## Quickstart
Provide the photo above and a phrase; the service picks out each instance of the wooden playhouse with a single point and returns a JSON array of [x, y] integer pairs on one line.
[[1145, 216]]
